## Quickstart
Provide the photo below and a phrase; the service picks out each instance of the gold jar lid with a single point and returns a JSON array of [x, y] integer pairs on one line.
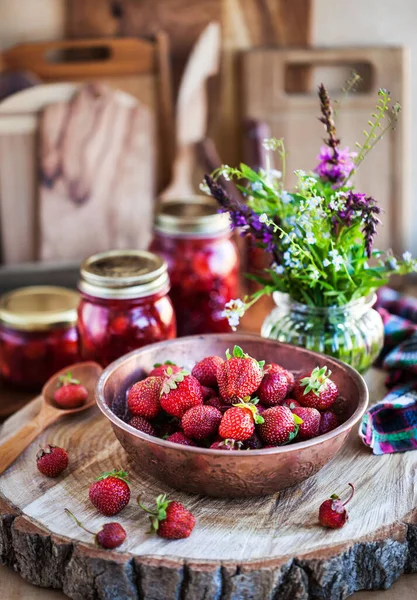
[[123, 275], [197, 216], [39, 308]]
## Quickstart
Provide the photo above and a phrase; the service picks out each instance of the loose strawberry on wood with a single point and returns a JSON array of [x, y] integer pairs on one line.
[[110, 493], [239, 376], [110, 536], [52, 460], [170, 519], [316, 390], [333, 513]]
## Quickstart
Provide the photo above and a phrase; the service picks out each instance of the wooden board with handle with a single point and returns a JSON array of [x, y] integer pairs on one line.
[[238, 547], [293, 116]]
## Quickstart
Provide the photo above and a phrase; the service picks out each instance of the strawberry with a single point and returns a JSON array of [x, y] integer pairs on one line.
[[238, 376], [316, 390], [328, 422], [201, 422], [341, 408], [142, 424], [180, 391], [291, 403], [226, 445], [218, 403], [143, 399], [70, 393], [207, 392], [309, 428], [180, 438], [112, 535], [170, 519], [51, 460], [161, 370], [275, 368], [280, 426], [206, 370], [332, 512], [238, 423], [110, 492], [253, 443], [273, 388]]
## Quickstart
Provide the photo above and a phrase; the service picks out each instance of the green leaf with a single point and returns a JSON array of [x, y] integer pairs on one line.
[[297, 419], [238, 352], [228, 355]]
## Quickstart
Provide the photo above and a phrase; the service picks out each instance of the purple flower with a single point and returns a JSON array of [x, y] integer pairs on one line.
[[335, 165]]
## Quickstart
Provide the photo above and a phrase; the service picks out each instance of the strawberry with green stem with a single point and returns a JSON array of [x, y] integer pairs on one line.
[[333, 513], [238, 423], [110, 536], [180, 392], [239, 376], [70, 392], [280, 426], [110, 492], [169, 519], [316, 390]]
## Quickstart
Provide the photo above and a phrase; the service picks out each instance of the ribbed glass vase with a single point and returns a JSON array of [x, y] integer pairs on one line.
[[353, 333]]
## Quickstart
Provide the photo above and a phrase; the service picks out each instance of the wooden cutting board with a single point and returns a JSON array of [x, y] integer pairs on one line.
[[238, 547], [293, 116], [97, 169]]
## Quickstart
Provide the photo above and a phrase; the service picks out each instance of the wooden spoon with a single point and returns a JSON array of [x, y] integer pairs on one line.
[[87, 373]]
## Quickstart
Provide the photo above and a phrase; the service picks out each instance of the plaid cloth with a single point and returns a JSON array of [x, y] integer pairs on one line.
[[391, 425]]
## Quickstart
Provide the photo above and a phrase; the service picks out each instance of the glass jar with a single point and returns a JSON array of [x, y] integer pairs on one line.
[[203, 264], [354, 333], [124, 304], [38, 334]]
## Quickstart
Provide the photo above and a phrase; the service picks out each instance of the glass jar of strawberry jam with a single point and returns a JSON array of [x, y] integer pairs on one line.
[[203, 265], [124, 304], [38, 334]]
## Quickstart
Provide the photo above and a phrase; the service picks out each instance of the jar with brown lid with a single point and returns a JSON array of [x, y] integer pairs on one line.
[[124, 304], [38, 334], [203, 264]]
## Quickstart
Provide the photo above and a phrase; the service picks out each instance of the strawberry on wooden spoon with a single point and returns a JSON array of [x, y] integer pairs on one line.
[[70, 392]]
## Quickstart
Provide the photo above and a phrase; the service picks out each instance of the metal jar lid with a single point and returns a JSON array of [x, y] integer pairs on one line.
[[123, 275], [39, 308], [197, 216]]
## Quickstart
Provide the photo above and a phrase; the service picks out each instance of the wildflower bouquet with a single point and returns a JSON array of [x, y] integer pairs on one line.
[[320, 235]]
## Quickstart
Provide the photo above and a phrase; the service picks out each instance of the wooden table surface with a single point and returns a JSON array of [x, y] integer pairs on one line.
[[15, 588]]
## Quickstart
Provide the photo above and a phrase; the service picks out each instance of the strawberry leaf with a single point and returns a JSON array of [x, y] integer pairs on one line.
[[123, 475], [334, 497], [228, 355], [297, 419], [292, 435], [259, 419], [261, 364], [238, 352]]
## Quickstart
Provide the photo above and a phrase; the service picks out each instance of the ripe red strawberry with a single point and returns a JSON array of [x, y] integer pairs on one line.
[[112, 535], [328, 422], [316, 390], [206, 370], [180, 391], [161, 370], [110, 492], [70, 393], [142, 424], [238, 423], [280, 426], [291, 403], [309, 428], [332, 512], [273, 388], [201, 422], [170, 519], [180, 438], [218, 403], [207, 392], [226, 445], [239, 376], [52, 460], [275, 368], [143, 399]]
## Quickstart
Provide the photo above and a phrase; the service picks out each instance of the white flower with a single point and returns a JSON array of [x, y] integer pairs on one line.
[[392, 262], [205, 188], [224, 171], [315, 274], [313, 202], [338, 262], [257, 186], [233, 312], [287, 257], [275, 174], [325, 235], [407, 256], [310, 239], [326, 262], [334, 254], [263, 218], [300, 173], [270, 143], [286, 198]]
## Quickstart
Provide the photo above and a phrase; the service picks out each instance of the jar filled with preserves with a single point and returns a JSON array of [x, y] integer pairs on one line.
[[38, 334], [124, 304], [203, 264]]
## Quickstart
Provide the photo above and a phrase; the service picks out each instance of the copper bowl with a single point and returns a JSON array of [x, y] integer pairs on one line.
[[217, 472]]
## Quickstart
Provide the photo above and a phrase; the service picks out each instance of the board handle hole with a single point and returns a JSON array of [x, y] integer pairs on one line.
[[78, 55], [304, 78]]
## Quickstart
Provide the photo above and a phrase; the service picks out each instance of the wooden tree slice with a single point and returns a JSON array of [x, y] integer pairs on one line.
[[270, 547]]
